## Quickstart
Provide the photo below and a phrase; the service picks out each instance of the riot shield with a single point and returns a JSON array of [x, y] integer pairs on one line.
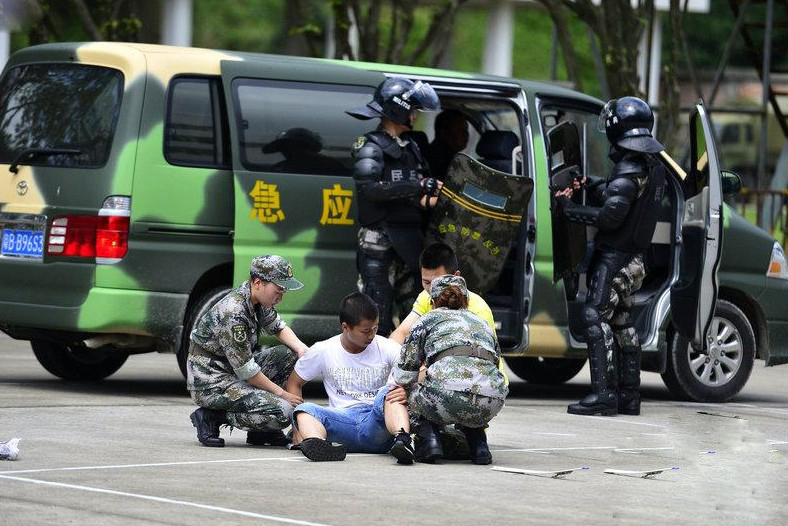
[[569, 239], [478, 214]]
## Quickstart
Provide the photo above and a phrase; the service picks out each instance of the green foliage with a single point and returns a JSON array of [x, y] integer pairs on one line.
[[252, 25]]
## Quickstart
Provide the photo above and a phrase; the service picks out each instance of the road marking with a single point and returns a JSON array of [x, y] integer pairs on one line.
[[619, 421], [776, 442], [556, 434], [628, 449], [540, 449], [165, 501], [122, 466]]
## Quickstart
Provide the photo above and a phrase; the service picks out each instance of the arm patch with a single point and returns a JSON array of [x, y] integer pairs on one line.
[[239, 333]]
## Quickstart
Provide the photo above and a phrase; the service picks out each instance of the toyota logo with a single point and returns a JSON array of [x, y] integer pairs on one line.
[[21, 187]]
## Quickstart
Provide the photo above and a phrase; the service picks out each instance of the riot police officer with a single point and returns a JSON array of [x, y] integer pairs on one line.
[[392, 190], [626, 217]]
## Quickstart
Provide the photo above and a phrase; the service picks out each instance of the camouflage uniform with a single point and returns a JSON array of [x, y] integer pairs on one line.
[[461, 390], [224, 353]]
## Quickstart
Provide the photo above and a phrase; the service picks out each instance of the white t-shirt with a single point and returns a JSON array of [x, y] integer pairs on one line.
[[349, 378]]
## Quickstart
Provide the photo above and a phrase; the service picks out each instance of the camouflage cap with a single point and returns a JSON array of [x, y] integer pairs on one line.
[[275, 269], [441, 283]]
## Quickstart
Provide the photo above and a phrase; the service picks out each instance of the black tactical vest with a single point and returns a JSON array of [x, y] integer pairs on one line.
[[635, 233], [399, 164]]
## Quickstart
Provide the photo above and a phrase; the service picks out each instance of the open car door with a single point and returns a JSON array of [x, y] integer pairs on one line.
[[694, 294], [478, 214]]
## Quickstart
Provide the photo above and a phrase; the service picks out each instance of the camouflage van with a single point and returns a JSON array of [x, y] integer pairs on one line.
[[140, 180]]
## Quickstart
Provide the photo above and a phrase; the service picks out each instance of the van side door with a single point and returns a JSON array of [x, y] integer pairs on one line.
[[293, 186], [694, 295]]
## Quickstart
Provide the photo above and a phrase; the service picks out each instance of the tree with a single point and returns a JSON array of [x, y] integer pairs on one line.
[[113, 20], [386, 31], [619, 26]]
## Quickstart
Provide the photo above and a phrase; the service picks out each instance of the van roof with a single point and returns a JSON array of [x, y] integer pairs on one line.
[[211, 59]]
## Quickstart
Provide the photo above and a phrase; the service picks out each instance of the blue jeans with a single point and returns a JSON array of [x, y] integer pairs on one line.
[[360, 427]]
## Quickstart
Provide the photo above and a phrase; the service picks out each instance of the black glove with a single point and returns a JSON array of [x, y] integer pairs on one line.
[[430, 187]]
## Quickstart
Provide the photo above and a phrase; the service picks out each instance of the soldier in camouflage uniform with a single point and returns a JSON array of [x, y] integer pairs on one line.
[[626, 219], [463, 385], [393, 194], [232, 379]]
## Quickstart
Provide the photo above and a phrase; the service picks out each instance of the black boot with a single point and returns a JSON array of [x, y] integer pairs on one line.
[[428, 445], [320, 450], [402, 449], [602, 400], [477, 440], [629, 381], [266, 438], [207, 422]]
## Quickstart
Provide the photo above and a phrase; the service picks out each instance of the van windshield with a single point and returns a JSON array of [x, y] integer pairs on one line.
[[59, 106]]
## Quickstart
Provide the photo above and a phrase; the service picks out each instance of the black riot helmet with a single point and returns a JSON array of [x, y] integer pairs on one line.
[[628, 122], [396, 98]]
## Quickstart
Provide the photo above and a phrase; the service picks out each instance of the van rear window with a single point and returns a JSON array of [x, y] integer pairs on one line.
[[67, 106], [298, 127]]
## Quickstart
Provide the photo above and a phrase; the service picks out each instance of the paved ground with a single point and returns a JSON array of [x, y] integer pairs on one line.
[[123, 451]]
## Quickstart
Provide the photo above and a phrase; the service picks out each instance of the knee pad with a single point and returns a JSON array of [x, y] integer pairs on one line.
[[590, 316]]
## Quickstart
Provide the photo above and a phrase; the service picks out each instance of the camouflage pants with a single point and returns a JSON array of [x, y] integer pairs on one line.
[[609, 303], [385, 277], [444, 407], [248, 408]]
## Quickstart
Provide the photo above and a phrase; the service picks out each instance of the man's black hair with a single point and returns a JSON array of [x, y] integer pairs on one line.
[[356, 307], [439, 255], [446, 117]]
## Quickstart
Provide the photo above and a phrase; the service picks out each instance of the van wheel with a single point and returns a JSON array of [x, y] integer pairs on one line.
[[197, 307], [716, 374], [545, 371], [72, 362]]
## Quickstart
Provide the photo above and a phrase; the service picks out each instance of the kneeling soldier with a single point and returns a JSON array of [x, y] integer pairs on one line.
[[233, 380]]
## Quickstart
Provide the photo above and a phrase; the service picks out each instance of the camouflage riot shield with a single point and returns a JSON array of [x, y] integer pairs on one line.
[[478, 214], [569, 239]]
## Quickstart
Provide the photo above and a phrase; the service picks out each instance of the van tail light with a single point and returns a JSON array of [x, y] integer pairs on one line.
[[104, 236]]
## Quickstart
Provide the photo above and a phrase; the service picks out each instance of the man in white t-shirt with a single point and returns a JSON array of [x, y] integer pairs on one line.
[[367, 411]]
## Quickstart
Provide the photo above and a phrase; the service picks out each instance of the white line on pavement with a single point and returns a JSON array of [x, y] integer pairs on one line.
[[119, 466], [540, 449], [165, 501], [555, 434]]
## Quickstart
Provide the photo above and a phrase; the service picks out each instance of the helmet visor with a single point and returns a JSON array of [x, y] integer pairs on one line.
[[423, 96], [605, 114]]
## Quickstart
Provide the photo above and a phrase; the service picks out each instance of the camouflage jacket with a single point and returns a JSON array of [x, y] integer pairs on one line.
[[232, 328], [443, 329]]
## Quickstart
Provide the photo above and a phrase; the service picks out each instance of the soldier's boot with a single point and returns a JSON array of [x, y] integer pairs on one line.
[[428, 445], [267, 438], [477, 440], [402, 449], [629, 381], [454, 444], [602, 400], [207, 422], [319, 450]]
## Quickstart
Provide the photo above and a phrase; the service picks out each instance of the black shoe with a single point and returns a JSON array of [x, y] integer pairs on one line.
[[402, 449], [319, 450], [266, 438], [604, 404], [207, 422], [628, 402], [477, 441], [428, 446], [454, 443]]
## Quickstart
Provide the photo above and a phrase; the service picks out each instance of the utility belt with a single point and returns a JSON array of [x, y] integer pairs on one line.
[[197, 350], [467, 350]]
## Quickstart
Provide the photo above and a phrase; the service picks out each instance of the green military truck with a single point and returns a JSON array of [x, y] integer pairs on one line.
[[139, 181]]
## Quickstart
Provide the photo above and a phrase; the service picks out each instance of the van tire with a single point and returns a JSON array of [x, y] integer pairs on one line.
[[688, 383], [199, 305], [545, 371], [76, 363]]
